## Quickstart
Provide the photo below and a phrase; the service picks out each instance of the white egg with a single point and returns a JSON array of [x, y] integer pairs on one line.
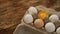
[[58, 30], [54, 18], [32, 10], [28, 18], [50, 27]]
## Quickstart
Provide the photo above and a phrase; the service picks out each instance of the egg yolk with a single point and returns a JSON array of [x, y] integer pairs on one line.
[[42, 14]]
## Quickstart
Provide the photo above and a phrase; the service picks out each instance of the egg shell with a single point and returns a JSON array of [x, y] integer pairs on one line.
[[32, 10], [58, 30], [50, 27], [28, 18], [39, 23], [54, 18]]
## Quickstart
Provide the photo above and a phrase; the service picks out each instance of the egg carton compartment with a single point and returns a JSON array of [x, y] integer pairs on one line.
[[25, 28]]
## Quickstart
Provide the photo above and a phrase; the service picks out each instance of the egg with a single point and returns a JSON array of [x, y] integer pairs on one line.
[[58, 30], [28, 18], [39, 23], [42, 14], [50, 27], [54, 18], [32, 10]]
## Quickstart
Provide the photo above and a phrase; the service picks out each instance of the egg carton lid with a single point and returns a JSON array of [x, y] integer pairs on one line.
[[25, 28]]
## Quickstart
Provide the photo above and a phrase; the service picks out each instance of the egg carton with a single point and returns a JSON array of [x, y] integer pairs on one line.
[[25, 28]]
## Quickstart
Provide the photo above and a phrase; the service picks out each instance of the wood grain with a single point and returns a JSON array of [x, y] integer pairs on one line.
[[11, 11]]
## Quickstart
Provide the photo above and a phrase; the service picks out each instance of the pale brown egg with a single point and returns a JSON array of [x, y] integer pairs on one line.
[[39, 23]]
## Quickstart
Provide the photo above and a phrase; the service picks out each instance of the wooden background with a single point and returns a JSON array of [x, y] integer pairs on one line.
[[12, 11]]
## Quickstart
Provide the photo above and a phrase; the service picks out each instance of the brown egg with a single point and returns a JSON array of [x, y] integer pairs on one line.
[[39, 23]]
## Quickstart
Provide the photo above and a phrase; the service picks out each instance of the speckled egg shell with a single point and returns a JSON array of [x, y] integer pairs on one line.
[[32, 10], [54, 18], [50, 27], [39, 23], [58, 30], [28, 18]]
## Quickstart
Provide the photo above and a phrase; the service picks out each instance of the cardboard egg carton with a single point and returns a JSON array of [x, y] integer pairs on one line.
[[25, 28]]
